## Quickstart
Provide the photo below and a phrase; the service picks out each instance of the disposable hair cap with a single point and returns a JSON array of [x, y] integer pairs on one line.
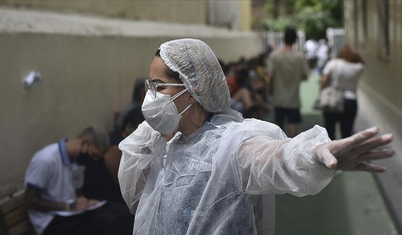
[[199, 70]]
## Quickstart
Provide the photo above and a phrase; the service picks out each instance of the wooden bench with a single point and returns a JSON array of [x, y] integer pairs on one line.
[[13, 215]]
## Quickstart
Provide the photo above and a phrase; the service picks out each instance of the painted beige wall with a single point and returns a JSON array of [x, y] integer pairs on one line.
[[86, 79], [234, 14], [381, 85], [224, 14], [184, 11], [245, 15]]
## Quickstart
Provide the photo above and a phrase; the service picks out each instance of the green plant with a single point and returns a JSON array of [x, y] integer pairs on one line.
[[311, 16]]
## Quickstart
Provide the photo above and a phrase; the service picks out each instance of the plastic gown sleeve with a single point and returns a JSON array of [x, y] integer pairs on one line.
[[139, 150], [275, 164]]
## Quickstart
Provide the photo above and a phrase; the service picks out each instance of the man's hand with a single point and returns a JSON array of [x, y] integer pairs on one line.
[[81, 203], [33, 200], [92, 202], [353, 153]]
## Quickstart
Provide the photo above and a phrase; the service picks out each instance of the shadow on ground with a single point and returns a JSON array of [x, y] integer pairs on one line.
[[324, 213]]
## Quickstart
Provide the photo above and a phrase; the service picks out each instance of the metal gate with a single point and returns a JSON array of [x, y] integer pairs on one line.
[[275, 40], [336, 40]]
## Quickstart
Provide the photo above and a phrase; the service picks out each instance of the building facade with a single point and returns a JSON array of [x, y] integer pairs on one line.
[[374, 28]]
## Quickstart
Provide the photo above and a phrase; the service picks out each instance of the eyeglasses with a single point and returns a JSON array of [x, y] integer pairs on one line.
[[153, 86]]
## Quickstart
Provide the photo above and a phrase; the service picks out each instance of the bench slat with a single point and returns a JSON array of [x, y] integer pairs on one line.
[[11, 203], [23, 227], [15, 216]]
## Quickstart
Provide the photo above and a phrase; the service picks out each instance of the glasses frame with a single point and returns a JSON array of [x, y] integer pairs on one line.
[[149, 86]]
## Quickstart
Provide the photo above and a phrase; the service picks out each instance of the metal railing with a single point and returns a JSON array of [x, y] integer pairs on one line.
[[335, 36], [336, 40], [275, 40]]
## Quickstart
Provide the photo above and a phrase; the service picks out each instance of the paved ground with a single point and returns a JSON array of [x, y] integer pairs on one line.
[[350, 205]]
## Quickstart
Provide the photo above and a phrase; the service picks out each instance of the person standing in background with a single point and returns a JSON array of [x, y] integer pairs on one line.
[[346, 68], [287, 69], [323, 55], [310, 52]]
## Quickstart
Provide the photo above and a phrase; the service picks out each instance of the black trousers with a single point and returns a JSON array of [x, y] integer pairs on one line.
[[103, 221], [345, 119]]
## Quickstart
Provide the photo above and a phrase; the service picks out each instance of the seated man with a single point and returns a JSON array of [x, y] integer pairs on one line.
[[52, 181], [100, 181], [101, 178]]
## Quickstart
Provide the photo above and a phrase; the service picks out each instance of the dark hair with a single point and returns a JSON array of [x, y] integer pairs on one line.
[[98, 137], [290, 36], [242, 77], [253, 63], [171, 74], [139, 90], [223, 66], [134, 117]]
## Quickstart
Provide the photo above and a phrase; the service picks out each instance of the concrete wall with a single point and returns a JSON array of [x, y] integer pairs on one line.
[[379, 94], [88, 66], [232, 14], [245, 15], [381, 85], [224, 14], [183, 11], [235, 15]]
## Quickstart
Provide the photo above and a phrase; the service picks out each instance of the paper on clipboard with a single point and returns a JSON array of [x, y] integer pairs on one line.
[[71, 213]]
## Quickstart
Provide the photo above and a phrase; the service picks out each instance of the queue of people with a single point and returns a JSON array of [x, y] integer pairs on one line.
[[189, 155], [270, 82], [248, 86]]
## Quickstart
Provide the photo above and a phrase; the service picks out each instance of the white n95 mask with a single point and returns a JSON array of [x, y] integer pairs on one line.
[[161, 113]]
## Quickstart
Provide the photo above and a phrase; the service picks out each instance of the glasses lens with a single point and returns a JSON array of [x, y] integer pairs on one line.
[[150, 86], [146, 84]]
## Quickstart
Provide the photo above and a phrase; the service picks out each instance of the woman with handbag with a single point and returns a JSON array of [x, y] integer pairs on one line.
[[342, 74]]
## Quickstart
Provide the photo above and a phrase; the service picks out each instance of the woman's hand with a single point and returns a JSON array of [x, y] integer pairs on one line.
[[353, 153], [169, 137]]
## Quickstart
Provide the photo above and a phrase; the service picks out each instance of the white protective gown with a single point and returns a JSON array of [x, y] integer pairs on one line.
[[219, 180]]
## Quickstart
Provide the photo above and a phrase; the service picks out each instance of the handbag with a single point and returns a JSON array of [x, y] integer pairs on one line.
[[331, 98]]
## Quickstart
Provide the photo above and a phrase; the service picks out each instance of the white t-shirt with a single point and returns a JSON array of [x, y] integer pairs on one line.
[[310, 47], [322, 54], [347, 73], [51, 172]]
